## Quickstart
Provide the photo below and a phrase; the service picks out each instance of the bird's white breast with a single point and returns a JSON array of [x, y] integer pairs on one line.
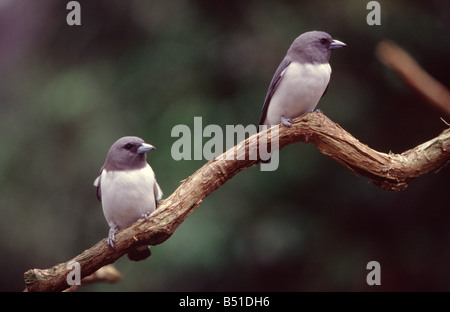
[[299, 90], [126, 195]]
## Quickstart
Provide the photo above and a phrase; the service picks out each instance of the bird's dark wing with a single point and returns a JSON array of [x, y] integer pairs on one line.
[[97, 183], [157, 191], [273, 85]]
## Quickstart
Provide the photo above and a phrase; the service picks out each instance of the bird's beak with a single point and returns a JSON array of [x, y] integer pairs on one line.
[[144, 148], [337, 44]]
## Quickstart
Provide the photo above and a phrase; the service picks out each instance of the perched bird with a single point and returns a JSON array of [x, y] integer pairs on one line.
[[301, 79], [127, 188]]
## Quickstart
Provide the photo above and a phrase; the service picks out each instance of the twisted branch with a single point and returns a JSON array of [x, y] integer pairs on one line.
[[389, 171]]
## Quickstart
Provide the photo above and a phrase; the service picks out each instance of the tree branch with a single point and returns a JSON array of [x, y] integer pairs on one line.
[[412, 73], [389, 171], [106, 274]]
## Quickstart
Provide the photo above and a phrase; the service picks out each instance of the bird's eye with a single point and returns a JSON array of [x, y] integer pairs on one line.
[[323, 40], [128, 146]]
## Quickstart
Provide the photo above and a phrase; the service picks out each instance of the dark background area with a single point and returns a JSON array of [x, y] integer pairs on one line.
[[141, 67]]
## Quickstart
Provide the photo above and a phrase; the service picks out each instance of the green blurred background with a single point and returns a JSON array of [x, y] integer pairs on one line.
[[141, 67]]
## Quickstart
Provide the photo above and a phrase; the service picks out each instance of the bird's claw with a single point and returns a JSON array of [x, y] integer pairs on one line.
[[111, 239], [146, 215], [286, 121]]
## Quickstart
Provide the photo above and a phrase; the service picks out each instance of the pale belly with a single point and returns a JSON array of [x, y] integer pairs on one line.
[[298, 91], [126, 196]]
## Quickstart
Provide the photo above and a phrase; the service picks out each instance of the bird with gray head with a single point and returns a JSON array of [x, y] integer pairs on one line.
[[127, 188], [301, 79]]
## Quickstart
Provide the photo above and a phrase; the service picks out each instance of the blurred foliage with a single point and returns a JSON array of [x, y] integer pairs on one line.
[[141, 67]]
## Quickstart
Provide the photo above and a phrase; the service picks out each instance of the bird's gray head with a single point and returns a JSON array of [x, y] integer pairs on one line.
[[127, 153], [313, 47]]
